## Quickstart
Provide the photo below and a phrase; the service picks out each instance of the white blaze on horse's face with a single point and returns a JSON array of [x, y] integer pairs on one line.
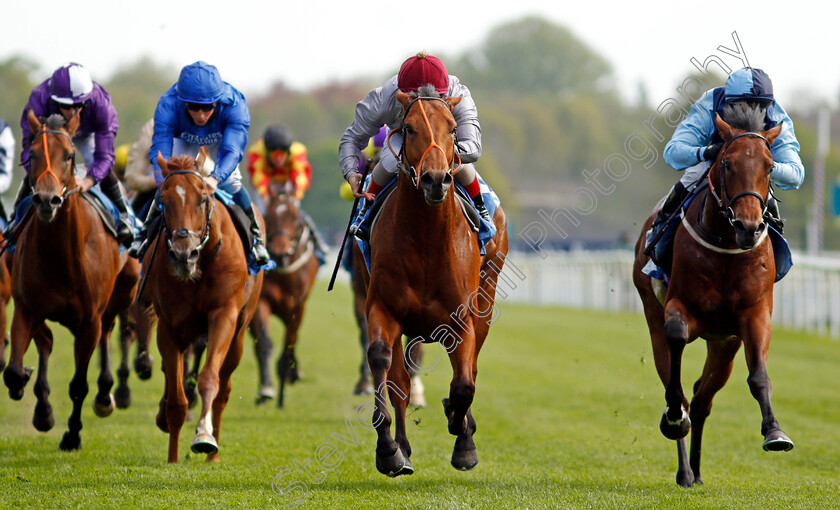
[[181, 193], [281, 209]]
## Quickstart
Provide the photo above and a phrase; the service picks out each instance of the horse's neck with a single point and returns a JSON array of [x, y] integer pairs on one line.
[[209, 252]]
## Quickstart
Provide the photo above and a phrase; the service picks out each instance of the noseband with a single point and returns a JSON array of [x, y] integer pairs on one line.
[[724, 202], [183, 233], [403, 162], [65, 192]]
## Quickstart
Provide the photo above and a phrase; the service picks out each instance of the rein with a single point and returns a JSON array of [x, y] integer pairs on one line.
[[410, 169], [183, 233], [723, 201]]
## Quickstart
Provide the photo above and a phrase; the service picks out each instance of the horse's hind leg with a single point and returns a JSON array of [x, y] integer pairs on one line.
[[288, 370], [363, 385], [756, 338], [85, 343], [263, 347], [103, 401], [173, 405], [43, 418], [384, 334], [414, 351], [143, 330], [122, 395], [720, 358]]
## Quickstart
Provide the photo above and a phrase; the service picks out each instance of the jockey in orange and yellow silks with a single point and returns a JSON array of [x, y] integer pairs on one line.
[[276, 158]]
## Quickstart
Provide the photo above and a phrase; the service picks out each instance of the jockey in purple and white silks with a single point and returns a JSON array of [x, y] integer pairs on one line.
[[696, 143], [7, 150], [202, 110], [380, 106], [70, 91]]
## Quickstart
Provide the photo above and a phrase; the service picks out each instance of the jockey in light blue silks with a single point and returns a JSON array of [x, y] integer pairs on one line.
[[696, 143], [202, 110]]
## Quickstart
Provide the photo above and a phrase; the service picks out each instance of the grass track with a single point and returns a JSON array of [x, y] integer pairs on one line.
[[567, 407]]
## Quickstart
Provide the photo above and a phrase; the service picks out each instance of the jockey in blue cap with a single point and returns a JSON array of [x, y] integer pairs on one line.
[[202, 110], [696, 143]]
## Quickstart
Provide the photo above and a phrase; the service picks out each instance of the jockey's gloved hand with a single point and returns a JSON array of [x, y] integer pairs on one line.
[[712, 151]]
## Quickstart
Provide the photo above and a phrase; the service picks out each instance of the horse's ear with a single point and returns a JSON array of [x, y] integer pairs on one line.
[[199, 161], [723, 128], [773, 132], [403, 98], [452, 102], [73, 124], [34, 124], [164, 167]]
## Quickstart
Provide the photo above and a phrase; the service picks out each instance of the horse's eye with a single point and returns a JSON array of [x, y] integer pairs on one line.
[[71, 156], [409, 130]]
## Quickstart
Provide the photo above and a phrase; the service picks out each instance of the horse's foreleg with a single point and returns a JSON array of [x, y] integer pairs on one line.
[[43, 418], [287, 366], [263, 347], [363, 386], [756, 336], [720, 358], [234, 355], [143, 330], [675, 422], [173, 405], [16, 375], [399, 392], [384, 333], [86, 340], [221, 332], [414, 352], [457, 406]]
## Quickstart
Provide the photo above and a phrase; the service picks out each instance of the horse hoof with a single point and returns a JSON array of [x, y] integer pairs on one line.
[[143, 366], [104, 409], [675, 429], [70, 441], [204, 443], [395, 465], [464, 460], [363, 387], [17, 383], [777, 441], [160, 421], [43, 418], [267, 393], [122, 397]]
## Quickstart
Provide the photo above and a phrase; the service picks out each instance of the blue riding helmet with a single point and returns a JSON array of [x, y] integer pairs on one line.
[[199, 82], [749, 84]]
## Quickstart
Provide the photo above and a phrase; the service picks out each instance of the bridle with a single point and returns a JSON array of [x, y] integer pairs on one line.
[[183, 233], [66, 190], [300, 235], [408, 168], [723, 201]]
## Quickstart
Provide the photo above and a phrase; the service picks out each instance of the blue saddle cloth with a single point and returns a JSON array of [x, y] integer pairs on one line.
[[104, 206], [486, 229], [253, 268], [781, 248]]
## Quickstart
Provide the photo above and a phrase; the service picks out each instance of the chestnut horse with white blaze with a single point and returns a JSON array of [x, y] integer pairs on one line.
[[199, 284], [427, 272], [721, 288]]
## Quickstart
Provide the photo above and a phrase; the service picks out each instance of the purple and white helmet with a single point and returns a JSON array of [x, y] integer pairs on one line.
[[70, 84]]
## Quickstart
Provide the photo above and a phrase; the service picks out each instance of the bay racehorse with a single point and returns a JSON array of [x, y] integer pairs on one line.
[[428, 280], [135, 328], [721, 288], [285, 288], [5, 296], [199, 284], [67, 268]]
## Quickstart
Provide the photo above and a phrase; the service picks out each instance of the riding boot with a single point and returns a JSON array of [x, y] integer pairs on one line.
[[261, 256], [773, 217], [478, 200], [141, 240], [24, 191], [320, 244], [110, 186], [672, 202]]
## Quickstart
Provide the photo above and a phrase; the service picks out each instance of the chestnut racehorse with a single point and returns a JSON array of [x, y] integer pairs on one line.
[[721, 288], [67, 268], [428, 279], [199, 284], [285, 288]]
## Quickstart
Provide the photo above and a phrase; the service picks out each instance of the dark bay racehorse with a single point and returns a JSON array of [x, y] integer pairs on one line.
[[5, 296], [199, 284], [426, 277], [721, 288], [285, 289], [67, 268], [135, 328]]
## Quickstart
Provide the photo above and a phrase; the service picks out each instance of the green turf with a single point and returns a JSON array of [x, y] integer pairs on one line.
[[567, 406]]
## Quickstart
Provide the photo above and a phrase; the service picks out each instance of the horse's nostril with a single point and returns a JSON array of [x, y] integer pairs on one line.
[[36, 199], [55, 201], [193, 256]]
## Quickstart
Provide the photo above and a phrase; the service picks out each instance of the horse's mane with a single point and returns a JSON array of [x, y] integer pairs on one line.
[[55, 121], [745, 116], [181, 162], [427, 90]]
